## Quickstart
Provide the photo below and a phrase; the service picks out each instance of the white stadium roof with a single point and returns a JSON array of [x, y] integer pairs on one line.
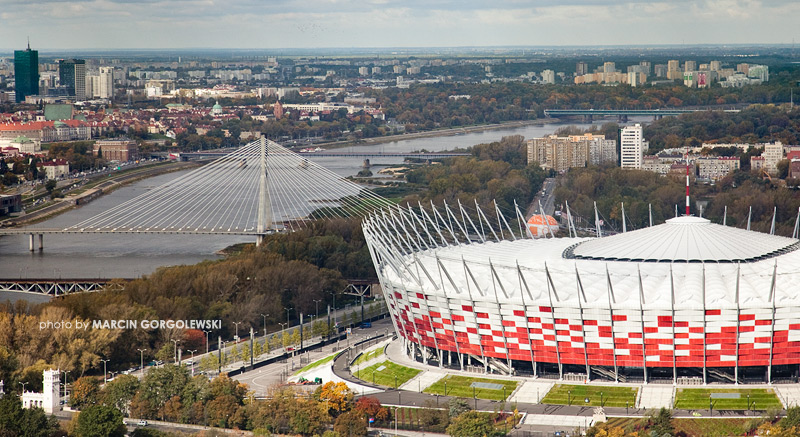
[[699, 265]]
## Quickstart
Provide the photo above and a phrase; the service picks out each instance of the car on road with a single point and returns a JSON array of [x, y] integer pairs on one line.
[[141, 423]]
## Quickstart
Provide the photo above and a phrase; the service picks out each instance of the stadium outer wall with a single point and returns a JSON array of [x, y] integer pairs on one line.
[[454, 310]]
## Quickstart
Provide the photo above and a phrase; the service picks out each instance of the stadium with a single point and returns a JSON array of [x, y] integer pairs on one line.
[[686, 301]]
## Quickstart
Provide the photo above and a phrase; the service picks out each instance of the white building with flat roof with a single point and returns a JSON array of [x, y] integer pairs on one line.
[[632, 146], [50, 398]]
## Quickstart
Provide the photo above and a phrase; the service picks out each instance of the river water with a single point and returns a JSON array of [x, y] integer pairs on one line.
[[129, 256]]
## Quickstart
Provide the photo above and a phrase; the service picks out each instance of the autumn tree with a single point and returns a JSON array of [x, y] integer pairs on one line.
[[119, 392], [352, 424], [85, 392], [336, 395], [472, 424]]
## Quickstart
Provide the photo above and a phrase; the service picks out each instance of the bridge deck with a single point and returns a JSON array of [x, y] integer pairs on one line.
[[37, 231]]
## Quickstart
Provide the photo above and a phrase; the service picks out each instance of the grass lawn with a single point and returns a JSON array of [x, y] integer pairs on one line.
[[386, 376], [461, 386], [566, 394], [363, 358], [698, 398], [317, 363], [701, 427]]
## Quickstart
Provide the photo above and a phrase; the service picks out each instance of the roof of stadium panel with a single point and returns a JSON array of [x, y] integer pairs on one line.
[[684, 239]]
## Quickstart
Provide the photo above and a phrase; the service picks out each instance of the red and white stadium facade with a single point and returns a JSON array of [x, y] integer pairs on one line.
[[687, 300]]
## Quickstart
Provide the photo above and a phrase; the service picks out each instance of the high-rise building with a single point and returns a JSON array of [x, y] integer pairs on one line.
[[646, 67], [26, 73], [674, 70], [106, 84], [715, 66], [563, 153], [609, 67], [548, 76], [72, 73], [632, 146], [690, 66], [581, 68], [760, 72]]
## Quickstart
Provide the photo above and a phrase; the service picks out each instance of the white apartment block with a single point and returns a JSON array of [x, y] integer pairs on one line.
[[632, 146], [773, 153], [716, 168], [660, 164]]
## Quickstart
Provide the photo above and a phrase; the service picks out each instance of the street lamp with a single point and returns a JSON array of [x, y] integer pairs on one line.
[[192, 352], [236, 335], [104, 369], [176, 350], [316, 307], [265, 323], [601, 399], [141, 360], [569, 397], [207, 332], [23, 386], [287, 317]]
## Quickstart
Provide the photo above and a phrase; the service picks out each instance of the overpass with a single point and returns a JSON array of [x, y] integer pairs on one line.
[[625, 113]]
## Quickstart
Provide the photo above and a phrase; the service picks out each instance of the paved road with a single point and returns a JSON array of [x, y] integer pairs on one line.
[[546, 196]]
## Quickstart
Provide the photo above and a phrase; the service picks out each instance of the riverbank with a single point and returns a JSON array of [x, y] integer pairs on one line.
[[93, 190]]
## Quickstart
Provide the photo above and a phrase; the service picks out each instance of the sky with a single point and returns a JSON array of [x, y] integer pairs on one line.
[[266, 24]]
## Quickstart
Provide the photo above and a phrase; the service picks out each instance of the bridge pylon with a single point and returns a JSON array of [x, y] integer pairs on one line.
[[264, 207]]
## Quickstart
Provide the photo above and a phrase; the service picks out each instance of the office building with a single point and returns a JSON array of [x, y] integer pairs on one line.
[[106, 83], [581, 68], [72, 73], [26, 73], [632, 146]]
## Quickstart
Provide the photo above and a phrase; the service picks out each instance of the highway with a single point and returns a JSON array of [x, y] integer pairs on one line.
[[546, 196]]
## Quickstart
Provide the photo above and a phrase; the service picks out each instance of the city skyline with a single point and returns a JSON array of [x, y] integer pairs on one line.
[[250, 24]]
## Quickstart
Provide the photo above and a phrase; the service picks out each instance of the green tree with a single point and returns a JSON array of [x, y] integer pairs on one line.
[[457, 407], [119, 392], [100, 421], [50, 185], [472, 424], [661, 423], [351, 424]]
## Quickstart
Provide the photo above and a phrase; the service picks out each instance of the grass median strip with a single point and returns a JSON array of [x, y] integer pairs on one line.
[[387, 374], [726, 399], [467, 387], [317, 363], [597, 395], [363, 358]]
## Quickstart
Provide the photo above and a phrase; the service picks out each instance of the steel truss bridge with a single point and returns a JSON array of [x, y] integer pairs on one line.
[[258, 189], [56, 287], [657, 113]]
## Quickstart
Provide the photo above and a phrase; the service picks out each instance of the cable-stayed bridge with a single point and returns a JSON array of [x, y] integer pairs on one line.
[[258, 189]]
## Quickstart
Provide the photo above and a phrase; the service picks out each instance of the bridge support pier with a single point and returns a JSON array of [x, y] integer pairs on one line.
[[31, 242], [259, 240], [41, 242]]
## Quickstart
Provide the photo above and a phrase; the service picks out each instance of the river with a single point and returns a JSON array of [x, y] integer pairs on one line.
[[129, 256]]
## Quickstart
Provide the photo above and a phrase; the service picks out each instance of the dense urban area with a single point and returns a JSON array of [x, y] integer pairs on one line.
[[719, 121]]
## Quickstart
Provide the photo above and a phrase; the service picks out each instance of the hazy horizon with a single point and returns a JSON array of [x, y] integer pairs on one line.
[[59, 25]]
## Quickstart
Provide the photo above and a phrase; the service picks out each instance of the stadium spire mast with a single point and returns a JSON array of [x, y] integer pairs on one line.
[[687, 181]]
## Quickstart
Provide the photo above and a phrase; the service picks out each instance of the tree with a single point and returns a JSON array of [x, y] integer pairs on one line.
[[337, 396], [50, 185], [457, 406], [371, 407], [16, 421], [100, 421], [472, 424], [85, 392], [119, 392], [661, 423], [351, 424]]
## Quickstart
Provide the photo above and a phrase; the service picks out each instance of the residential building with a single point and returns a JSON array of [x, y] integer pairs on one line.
[[55, 169], [72, 74], [548, 76], [363, 71], [690, 66], [632, 146], [674, 70], [661, 164], [716, 168], [26, 73], [645, 67], [9, 204], [757, 163], [660, 70], [120, 149], [773, 154], [715, 66], [609, 67], [563, 153], [794, 169], [760, 72], [581, 68], [106, 83]]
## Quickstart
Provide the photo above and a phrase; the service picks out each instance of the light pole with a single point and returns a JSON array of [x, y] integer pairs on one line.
[[236, 335], [207, 332], [601, 399], [569, 397], [287, 317], [104, 370], [192, 352], [284, 327], [316, 307], [265, 323], [65, 383], [23, 386], [141, 360], [176, 349]]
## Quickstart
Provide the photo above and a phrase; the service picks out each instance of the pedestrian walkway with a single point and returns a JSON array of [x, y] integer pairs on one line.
[[656, 396], [531, 392], [789, 394], [423, 380], [560, 421]]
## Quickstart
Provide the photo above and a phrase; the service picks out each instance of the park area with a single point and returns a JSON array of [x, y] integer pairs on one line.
[[387, 374], [726, 399], [467, 387], [591, 395]]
